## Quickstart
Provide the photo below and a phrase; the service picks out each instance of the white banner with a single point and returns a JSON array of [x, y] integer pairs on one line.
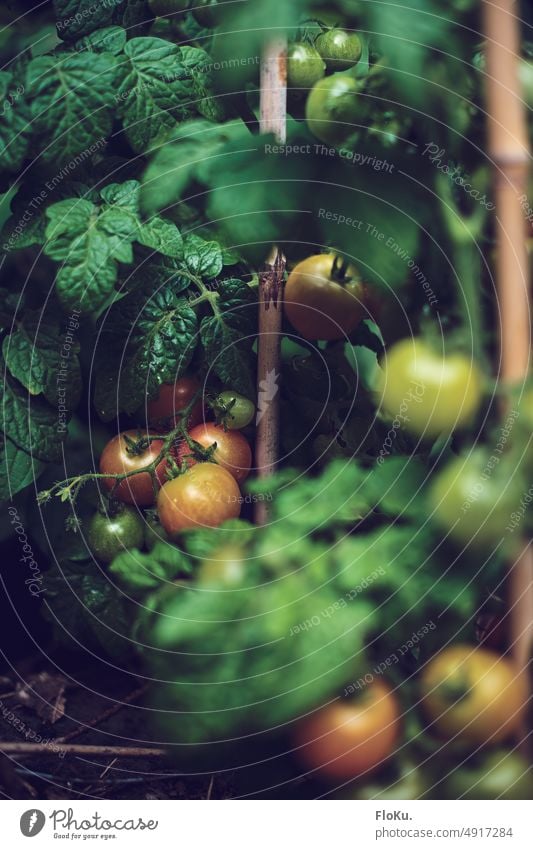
[[260, 825]]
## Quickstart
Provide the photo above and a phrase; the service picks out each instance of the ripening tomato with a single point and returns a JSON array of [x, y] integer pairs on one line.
[[333, 111], [204, 496], [321, 305], [109, 535], [350, 737], [339, 49], [305, 66], [473, 694], [225, 567], [434, 393], [172, 399], [120, 457], [232, 453]]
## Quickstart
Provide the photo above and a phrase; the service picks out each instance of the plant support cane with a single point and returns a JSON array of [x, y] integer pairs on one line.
[[273, 120], [508, 150]]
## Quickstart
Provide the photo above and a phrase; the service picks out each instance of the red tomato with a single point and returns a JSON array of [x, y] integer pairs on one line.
[[172, 399], [118, 458], [233, 451], [204, 496]]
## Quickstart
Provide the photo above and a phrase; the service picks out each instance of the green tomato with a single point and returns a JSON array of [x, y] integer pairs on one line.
[[304, 65], [472, 499], [498, 775], [168, 7], [332, 108], [108, 536], [339, 49], [432, 394], [240, 410]]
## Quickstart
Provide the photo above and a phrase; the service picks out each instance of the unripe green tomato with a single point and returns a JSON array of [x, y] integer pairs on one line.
[[108, 536], [498, 775], [168, 7], [474, 500], [332, 108], [431, 393], [305, 66], [339, 49], [241, 409]]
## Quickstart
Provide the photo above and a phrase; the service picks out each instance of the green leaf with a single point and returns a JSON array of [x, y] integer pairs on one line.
[[89, 245], [163, 236], [156, 88], [106, 40], [38, 356], [149, 338], [17, 469], [203, 258], [14, 123], [32, 424], [73, 101], [228, 356], [80, 17], [27, 224], [138, 571], [177, 162]]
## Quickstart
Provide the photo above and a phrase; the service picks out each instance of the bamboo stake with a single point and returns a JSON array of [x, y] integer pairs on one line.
[[272, 119], [508, 149]]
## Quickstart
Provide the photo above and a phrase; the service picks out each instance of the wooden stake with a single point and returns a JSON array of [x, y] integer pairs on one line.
[[272, 120], [508, 150]]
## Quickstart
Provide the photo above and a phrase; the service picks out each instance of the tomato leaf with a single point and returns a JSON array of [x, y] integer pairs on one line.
[[80, 17], [72, 102], [30, 423], [14, 122], [138, 572], [156, 88], [203, 258], [35, 356], [148, 338], [18, 469]]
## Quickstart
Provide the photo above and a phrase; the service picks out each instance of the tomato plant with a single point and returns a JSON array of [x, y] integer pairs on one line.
[[210, 302], [322, 300], [205, 496], [473, 694]]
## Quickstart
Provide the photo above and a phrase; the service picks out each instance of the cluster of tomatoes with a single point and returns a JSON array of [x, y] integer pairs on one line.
[[471, 698], [321, 69], [189, 473]]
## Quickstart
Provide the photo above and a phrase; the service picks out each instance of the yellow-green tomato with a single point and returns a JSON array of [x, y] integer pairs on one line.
[[429, 393], [332, 109]]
